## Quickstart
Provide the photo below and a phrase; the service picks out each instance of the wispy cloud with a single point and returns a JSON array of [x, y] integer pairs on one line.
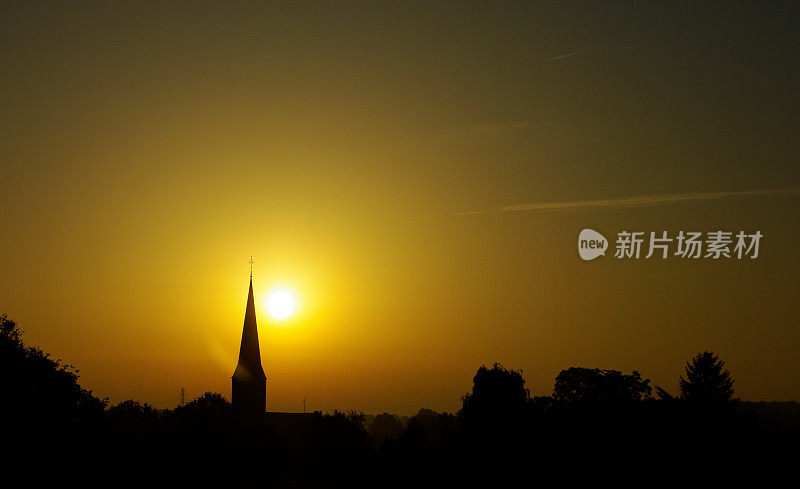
[[645, 200]]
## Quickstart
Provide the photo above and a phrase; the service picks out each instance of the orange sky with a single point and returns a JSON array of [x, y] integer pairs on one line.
[[147, 151]]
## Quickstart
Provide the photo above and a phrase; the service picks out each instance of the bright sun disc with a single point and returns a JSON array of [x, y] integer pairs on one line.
[[280, 304]]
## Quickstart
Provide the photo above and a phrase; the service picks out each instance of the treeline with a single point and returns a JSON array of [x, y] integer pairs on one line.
[[597, 424]]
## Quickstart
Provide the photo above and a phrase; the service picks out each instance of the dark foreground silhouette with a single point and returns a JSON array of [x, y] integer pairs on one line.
[[598, 425]]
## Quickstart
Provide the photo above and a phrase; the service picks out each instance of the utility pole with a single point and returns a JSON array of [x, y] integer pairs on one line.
[[183, 397], [304, 405]]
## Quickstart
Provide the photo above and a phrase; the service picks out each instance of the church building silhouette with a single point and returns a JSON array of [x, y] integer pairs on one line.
[[249, 384]]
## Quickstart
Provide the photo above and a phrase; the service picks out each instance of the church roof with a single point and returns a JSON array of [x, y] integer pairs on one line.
[[249, 367]]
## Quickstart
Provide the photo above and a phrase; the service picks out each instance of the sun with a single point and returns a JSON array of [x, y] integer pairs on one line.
[[281, 304]]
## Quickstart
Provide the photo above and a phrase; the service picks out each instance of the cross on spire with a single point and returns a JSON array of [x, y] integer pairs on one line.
[[251, 266]]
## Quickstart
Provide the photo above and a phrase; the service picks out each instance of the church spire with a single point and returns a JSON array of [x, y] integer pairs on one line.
[[249, 351], [248, 394]]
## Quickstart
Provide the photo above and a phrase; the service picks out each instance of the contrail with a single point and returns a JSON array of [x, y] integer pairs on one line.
[[640, 201], [592, 50], [569, 55], [644, 200], [637, 45]]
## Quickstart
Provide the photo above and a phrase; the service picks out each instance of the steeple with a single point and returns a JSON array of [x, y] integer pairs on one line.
[[249, 384]]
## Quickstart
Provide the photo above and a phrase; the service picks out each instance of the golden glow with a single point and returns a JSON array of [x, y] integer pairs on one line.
[[281, 304], [129, 226]]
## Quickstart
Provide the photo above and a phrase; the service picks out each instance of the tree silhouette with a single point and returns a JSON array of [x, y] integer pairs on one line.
[[706, 379], [210, 409], [132, 417], [385, 426], [595, 386], [337, 452], [428, 429], [41, 394], [495, 411], [134, 411], [496, 393], [499, 430], [46, 418]]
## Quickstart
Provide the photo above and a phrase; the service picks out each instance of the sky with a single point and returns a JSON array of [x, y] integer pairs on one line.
[[415, 173]]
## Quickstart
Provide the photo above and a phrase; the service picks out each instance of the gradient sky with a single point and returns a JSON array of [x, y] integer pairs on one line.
[[364, 155]]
